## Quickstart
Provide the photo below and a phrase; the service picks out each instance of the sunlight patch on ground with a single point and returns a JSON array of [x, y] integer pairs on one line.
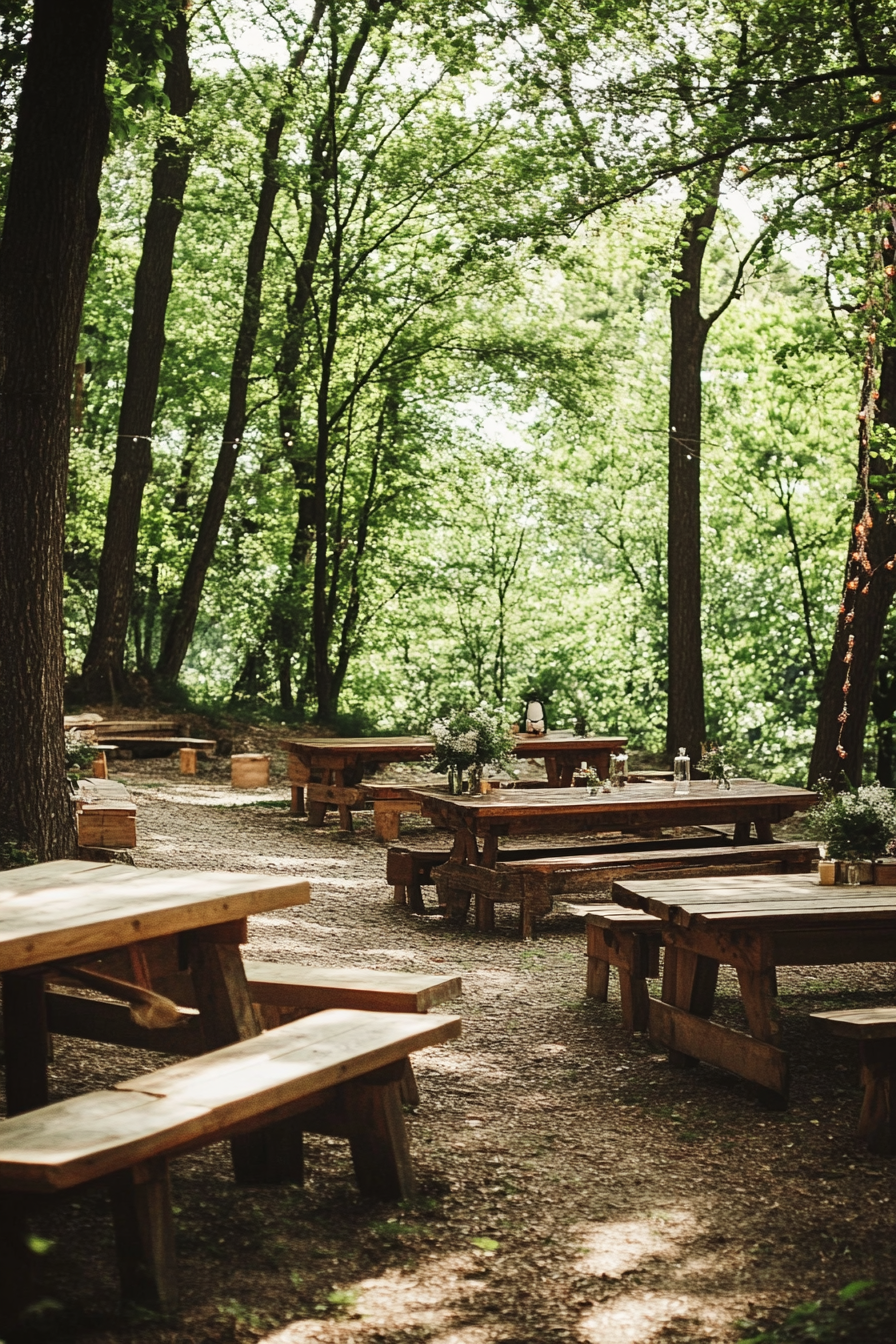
[[613, 1249], [211, 795], [642, 1318], [397, 954]]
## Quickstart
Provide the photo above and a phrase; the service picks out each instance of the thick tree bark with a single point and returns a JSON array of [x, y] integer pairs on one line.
[[183, 619], [52, 214], [866, 628], [686, 721], [103, 668]]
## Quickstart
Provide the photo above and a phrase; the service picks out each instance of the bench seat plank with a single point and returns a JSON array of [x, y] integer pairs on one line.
[[93, 1135], [866, 1024], [286, 985]]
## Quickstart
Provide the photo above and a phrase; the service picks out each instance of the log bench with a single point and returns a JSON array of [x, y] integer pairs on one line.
[[532, 883], [336, 1072], [106, 815], [875, 1031], [630, 941]]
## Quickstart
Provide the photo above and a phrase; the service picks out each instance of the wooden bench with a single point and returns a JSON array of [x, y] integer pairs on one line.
[[630, 941], [875, 1031], [533, 883], [337, 1072], [410, 868]]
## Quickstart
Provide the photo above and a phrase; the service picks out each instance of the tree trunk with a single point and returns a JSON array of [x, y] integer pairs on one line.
[[183, 620], [103, 667], [867, 627], [52, 214], [686, 722]]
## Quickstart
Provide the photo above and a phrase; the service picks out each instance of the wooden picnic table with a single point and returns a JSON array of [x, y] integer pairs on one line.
[[633, 808], [329, 771], [80, 913], [754, 924]]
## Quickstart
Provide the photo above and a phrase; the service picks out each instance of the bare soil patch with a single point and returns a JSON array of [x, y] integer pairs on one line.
[[574, 1187]]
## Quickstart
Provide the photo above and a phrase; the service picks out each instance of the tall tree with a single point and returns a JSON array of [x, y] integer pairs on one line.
[[52, 215], [103, 669], [183, 619]]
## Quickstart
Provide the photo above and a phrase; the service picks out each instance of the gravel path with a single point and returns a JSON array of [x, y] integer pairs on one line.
[[615, 1200]]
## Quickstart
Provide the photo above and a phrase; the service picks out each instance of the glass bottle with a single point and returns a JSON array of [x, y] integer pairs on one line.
[[681, 772]]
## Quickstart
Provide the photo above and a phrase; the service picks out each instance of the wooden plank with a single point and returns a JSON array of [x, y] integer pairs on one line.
[[91, 1135], [316, 987], [336, 794], [865, 1024], [754, 1060]]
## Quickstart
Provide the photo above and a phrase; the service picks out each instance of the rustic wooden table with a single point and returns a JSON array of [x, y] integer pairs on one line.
[[754, 924], [80, 913], [329, 771], [635, 807]]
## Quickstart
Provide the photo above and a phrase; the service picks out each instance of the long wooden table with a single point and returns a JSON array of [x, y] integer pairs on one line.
[[754, 924], [329, 771], [636, 807], [103, 915]]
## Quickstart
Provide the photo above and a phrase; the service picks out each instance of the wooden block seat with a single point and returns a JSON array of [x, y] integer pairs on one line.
[[629, 940], [106, 816], [336, 1072], [875, 1031], [532, 883]]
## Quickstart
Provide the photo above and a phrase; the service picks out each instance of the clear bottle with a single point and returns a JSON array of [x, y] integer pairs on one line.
[[681, 772]]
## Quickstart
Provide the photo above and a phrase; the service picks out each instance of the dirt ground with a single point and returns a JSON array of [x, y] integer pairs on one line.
[[615, 1200]]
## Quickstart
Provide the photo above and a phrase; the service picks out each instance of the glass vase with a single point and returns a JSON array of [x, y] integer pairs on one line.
[[455, 779], [475, 778]]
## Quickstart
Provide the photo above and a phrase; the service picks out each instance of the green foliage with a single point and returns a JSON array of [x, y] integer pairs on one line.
[[78, 753], [859, 824], [856, 1313]]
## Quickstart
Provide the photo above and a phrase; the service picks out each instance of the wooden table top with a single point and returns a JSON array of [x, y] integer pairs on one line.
[[759, 902], [654, 801], [70, 908], [417, 748]]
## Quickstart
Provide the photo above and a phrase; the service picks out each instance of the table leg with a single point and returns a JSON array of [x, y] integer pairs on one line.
[[267, 1156], [764, 832], [689, 982], [741, 833], [144, 1235], [758, 990], [297, 806], [553, 774], [25, 1041], [877, 1124], [567, 770]]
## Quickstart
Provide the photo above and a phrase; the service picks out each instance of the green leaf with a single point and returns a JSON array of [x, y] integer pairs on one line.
[[485, 1243]]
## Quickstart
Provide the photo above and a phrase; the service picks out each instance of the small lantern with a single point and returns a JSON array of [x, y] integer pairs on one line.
[[535, 722]]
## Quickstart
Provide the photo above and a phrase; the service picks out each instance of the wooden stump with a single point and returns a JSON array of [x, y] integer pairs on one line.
[[188, 757]]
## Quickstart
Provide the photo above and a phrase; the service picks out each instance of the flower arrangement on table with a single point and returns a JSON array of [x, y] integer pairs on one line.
[[717, 763], [858, 824], [470, 739]]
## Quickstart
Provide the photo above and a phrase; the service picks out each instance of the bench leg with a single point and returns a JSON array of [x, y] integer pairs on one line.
[[144, 1235], [410, 1094], [273, 1155], [386, 821], [597, 979], [25, 1041], [16, 1262], [399, 894], [379, 1140], [485, 914], [316, 813], [635, 1001], [457, 906], [877, 1123], [415, 897]]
